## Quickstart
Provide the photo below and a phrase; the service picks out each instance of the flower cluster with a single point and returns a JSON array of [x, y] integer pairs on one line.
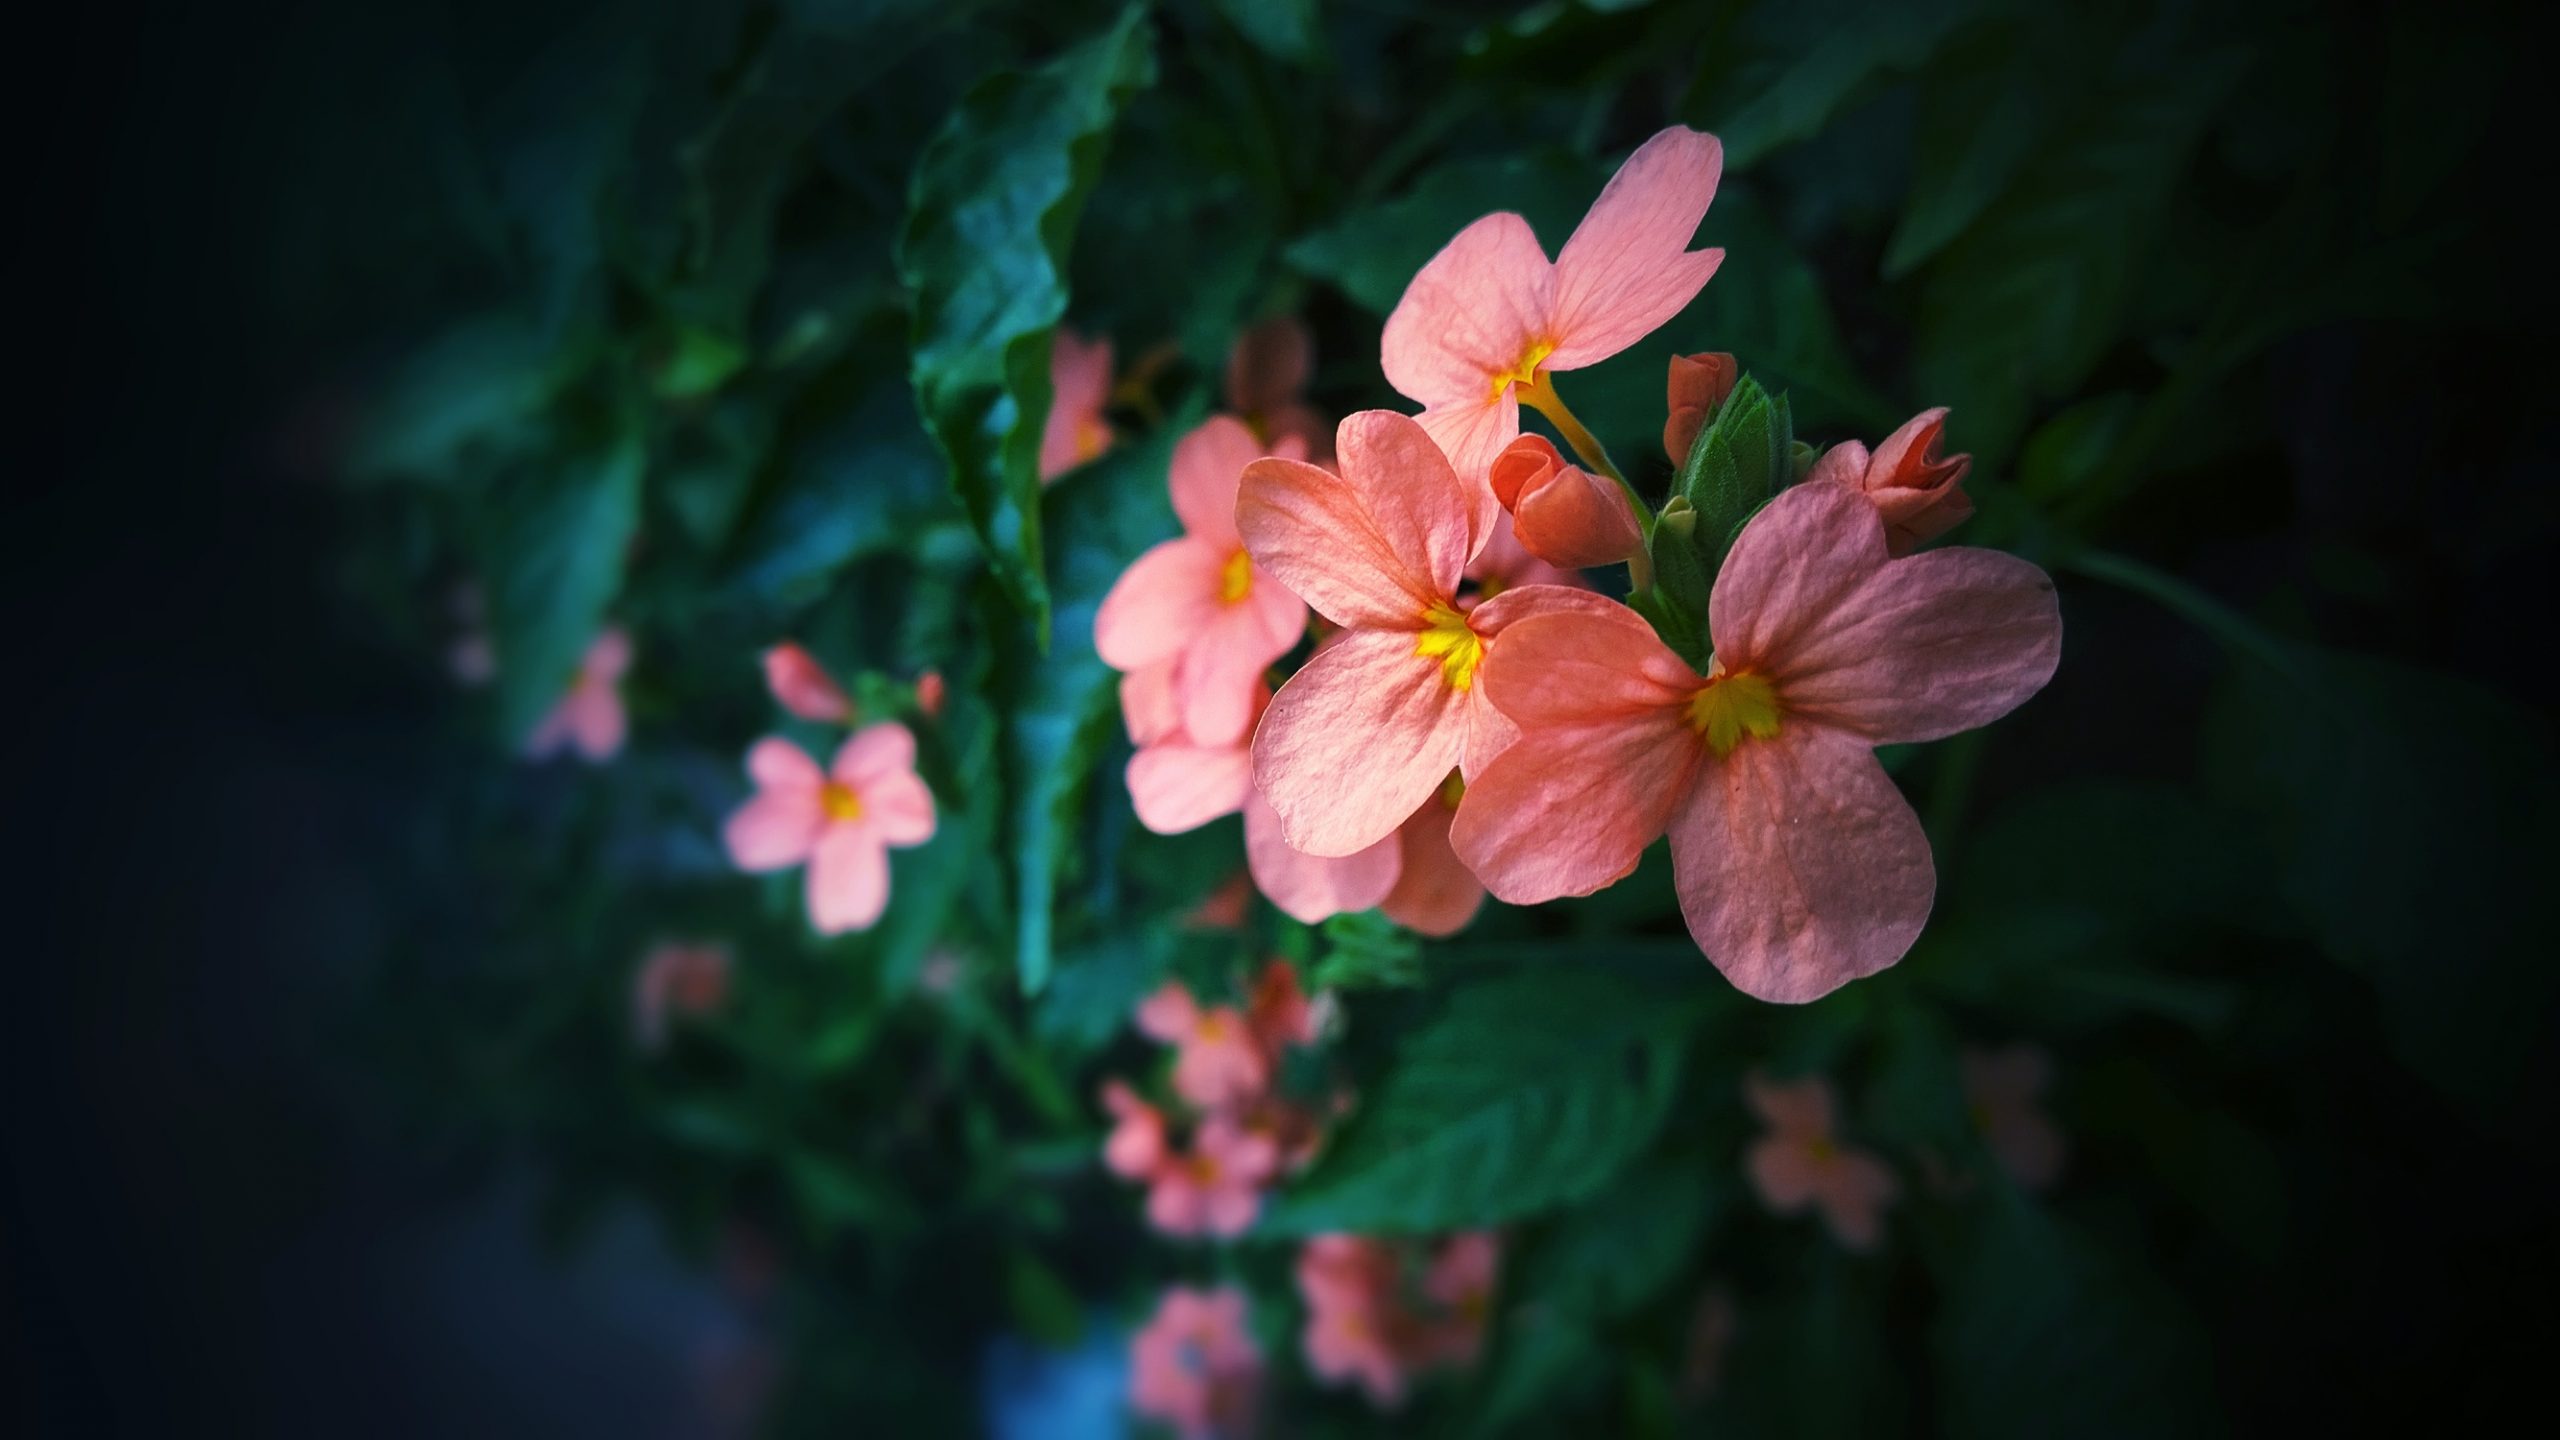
[[1470, 719], [1243, 1132], [1194, 1365], [1372, 1320]]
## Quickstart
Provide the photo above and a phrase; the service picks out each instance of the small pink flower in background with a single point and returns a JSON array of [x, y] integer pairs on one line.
[[1435, 893], [1801, 1162], [930, 694], [1136, 1147], [1357, 1328], [1224, 907], [1357, 740], [1200, 602], [1267, 375], [1079, 389], [1698, 386], [1489, 314], [677, 979], [1799, 866], [1278, 1010], [1561, 513], [803, 687], [590, 716], [1460, 1281], [1219, 1062], [1175, 783], [1920, 496], [839, 821], [1217, 1187], [1711, 1329], [2005, 1090], [1194, 1365]]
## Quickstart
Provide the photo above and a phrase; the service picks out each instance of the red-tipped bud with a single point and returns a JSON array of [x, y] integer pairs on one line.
[[1699, 384], [1919, 494], [803, 686]]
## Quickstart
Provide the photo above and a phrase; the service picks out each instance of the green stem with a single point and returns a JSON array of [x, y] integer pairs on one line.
[[1539, 394]]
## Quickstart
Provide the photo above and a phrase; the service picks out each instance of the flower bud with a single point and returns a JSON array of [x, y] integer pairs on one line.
[[1679, 517], [1699, 383], [1562, 514], [1918, 494], [803, 687]]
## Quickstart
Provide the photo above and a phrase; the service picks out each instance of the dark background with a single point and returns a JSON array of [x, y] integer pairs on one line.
[[209, 1219]]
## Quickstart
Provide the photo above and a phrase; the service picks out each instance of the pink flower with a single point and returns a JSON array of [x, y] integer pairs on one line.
[[1194, 1366], [1215, 1189], [1800, 867], [1698, 385], [2004, 1089], [1079, 389], [1357, 740], [1504, 564], [1266, 379], [1489, 315], [590, 716], [840, 821], [1920, 496], [1312, 889], [930, 693], [676, 979], [1460, 1281], [1199, 601], [1357, 1327], [1799, 1163], [1561, 513], [1136, 1147], [1435, 893], [803, 687], [1218, 1061]]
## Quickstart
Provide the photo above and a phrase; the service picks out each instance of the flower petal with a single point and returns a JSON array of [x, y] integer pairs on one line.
[[595, 719], [1893, 650], [1628, 268], [1784, 1172], [609, 656], [774, 830], [1562, 656], [898, 807], [1377, 545], [1183, 787], [1311, 888], [1800, 866], [1168, 1014], [1435, 894], [874, 751], [1470, 313], [802, 686], [1473, 432], [1208, 463], [1356, 740], [776, 764], [1567, 810], [848, 880], [1148, 706], [1165, 597], [1799, 1109]]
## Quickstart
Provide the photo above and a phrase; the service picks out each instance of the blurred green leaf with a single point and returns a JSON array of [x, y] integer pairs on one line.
[[990, 219], [1372, 254], [1367, 951], [1528, 1091], [1985, 103], [1284, 29], [461, 404], [1619, 1250], [554, 566], [1851, 48]]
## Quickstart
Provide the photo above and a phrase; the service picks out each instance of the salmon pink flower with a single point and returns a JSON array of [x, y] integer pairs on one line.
[[1561, 513], [1483, 324], [1800, 867], [1504, 564], [676, 979], [1460, 1281], [1920, 496], [1699, 384], [1357, 1326], [1136, 1147], [1215, 1189], [1360, 737], [2004, 1090], [802, 686], [1435, 894], [1199, 601], [1218, 1060], [589, 717], [1267, 379], [840, 821], [1195, 1367], [1079, 389], [1312, 889], [1801, 1163]]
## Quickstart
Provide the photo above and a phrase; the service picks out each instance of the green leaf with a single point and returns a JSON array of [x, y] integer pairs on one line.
[[465, 400], [1367, 951], [1372, 253], [1612, 1255], [991, 216], [1060, 710], [1042, 1305], [1527, 1092], [554, 566], [1282, 29], [1846, 54], [1979, 118], [1737, 462], [1770, 308]]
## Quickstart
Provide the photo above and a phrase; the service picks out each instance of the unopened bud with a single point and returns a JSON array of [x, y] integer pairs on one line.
[[1679, 517]]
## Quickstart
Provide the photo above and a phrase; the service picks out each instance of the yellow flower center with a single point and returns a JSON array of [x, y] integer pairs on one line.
[[1732, 706], [1449, 639], [1092, 438], [838, 800], [1523, 371], [1236, 581]]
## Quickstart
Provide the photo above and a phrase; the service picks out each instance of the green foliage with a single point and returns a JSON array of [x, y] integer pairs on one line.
[[1739, 459], [558, 547], [1527, 1092], [992, 214]]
